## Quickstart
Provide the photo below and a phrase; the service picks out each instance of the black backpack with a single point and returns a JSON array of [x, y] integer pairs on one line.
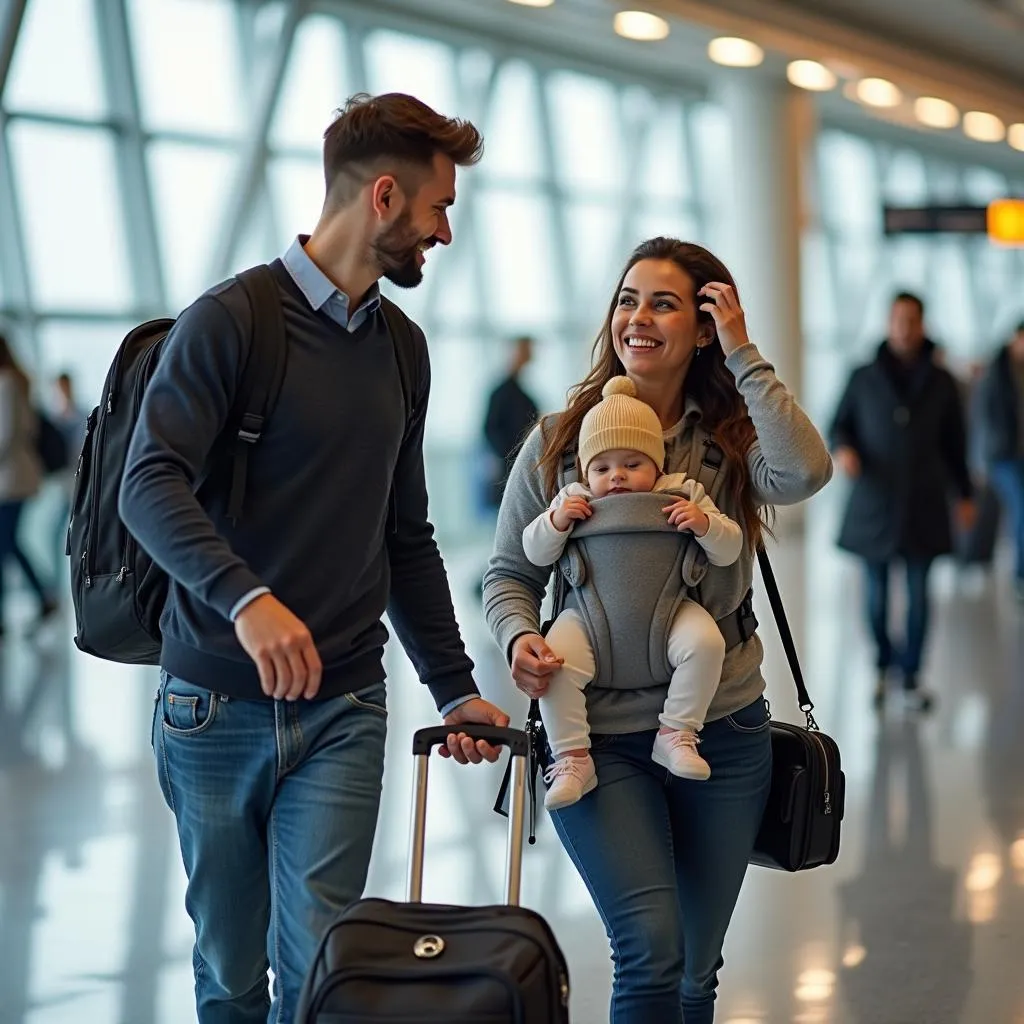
[[51, 445], [117, 590]]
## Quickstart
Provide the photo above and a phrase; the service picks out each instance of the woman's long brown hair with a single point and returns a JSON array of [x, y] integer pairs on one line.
[[709, 382], [8, 362]]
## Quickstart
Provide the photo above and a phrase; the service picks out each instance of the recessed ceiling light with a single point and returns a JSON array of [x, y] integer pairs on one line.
[[877, 92], [1015, 137], [734, 52], [809, 74], [640, 25], [936, 113], [533, 3], [983, 127]]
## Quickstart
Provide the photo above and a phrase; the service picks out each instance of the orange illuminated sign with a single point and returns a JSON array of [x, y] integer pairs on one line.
[[1004, 221]]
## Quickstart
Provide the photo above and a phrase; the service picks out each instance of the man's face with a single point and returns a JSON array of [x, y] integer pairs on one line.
[[401, 246], [906, 328]]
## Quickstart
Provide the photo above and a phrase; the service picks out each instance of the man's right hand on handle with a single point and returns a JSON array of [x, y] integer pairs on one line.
[[282, 648], [533, 664]]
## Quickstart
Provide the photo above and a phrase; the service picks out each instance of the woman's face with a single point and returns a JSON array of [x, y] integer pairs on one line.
[[654, 326]]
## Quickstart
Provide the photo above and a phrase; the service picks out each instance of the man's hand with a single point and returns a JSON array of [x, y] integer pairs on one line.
[[460, 746], [688, 515], [532, 663], [282, 648], [965, 514], [848, 461], [572, 509]]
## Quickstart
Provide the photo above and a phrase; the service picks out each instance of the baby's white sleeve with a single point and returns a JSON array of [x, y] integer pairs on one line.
[[724, 540], [543, 542]]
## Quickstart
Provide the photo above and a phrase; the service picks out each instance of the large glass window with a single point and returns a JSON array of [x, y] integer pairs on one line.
[[57, 34], [72, 218]]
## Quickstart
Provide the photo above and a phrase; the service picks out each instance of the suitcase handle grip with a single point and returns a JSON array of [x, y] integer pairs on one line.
[[437, 735]]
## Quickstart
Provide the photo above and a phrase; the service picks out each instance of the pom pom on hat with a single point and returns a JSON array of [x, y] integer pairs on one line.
[[620, 385], [621, 420]]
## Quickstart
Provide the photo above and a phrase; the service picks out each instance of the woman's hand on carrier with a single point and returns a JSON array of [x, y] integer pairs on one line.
[[533, 664], [570, 511], [688, 515]]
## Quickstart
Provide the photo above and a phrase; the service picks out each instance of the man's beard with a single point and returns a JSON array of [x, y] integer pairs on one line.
[[395, 252]]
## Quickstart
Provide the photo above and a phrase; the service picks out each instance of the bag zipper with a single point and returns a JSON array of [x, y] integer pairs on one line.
[[824, 757]]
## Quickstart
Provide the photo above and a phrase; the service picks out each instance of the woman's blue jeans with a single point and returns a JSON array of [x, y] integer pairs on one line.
[[664, 859]]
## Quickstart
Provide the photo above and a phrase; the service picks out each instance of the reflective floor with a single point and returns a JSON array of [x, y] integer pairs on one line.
[[920, 922]]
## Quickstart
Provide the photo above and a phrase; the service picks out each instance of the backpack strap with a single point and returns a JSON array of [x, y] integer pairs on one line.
[[404, 340], [262, 377], [402, 337]]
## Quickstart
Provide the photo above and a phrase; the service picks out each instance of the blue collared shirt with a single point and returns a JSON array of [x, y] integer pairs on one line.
[[320, 290]]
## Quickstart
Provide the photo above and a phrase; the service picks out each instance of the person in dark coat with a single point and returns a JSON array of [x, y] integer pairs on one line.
[[899, 435], [1000, 406], [511, 412]]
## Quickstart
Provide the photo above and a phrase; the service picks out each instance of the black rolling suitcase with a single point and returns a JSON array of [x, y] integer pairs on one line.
[[424, 963]]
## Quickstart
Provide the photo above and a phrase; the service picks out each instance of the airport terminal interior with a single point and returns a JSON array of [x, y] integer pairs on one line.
[[151, 148]]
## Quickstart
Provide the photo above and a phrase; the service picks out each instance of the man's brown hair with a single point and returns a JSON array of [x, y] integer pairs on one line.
[[371, 131]]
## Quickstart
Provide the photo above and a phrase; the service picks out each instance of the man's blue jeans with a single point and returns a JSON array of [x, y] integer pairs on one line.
[[918, 608], [664, 859], [276, 805], [1008, 480]]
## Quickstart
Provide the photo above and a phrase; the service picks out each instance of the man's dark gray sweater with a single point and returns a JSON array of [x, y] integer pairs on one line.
[[315, 527]]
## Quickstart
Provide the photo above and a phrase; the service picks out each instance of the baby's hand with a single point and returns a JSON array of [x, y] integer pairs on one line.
[[574, 508], [687, 515]]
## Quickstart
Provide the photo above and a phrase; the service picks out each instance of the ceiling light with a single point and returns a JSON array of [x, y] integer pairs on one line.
[[1015, 137], [936, 113], [647, 28], [809, 74], [734, 52], [877, 92], [533, 3], [983, 127]]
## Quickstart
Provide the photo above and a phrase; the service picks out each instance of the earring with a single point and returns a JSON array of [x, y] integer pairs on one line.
[[700, 348]]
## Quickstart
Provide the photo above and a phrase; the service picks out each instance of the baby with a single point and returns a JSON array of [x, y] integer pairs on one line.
[[622, 450]]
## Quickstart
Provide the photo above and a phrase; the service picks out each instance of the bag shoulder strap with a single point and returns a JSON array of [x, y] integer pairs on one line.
[[262, 377], [782, 622]]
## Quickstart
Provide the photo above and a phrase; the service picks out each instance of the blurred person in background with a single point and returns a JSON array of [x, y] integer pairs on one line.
[[21, 472], [1000, 412], [511, 413], [69, 418], [899, 435]]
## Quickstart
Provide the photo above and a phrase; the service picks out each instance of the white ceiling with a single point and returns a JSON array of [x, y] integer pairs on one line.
[[970, 52]]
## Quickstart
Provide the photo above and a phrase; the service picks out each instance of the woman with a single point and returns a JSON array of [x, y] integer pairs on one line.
[[20, 471], [664, 857]]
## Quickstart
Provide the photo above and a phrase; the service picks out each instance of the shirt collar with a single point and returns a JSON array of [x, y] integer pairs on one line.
[[691, 415], [317, 287]]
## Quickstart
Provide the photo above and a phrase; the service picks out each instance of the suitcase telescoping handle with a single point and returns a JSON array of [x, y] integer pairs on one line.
[[422, 743]]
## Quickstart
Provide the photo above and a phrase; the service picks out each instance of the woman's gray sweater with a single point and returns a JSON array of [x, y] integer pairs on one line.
[[788, 463]]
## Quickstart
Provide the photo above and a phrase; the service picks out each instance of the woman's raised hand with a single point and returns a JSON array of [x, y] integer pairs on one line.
[[722, 302]]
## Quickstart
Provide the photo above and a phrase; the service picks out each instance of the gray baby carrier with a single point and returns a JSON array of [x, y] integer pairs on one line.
[[627, 594], [637, 586]]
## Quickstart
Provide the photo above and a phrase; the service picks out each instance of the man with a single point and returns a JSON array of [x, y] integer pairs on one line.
[[511, 412], [270, 719], [1001, 413], [899, 435]]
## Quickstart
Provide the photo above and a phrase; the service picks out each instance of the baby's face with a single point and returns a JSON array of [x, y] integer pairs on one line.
[[621, 471]]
